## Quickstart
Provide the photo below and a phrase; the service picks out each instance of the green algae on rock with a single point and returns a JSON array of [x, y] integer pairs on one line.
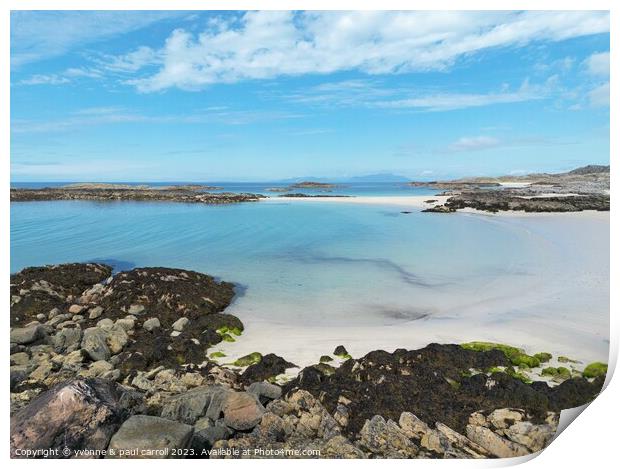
[[247, 360], [543, 357], [516, 355], [594, 370]]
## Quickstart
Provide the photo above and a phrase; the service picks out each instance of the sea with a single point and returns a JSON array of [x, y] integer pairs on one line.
[[311, 275]]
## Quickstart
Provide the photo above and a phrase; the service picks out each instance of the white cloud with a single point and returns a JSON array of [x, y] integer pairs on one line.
[[598, 64], [45, 80], [599, 96], [38, 35], [268, 44], [464, 144]]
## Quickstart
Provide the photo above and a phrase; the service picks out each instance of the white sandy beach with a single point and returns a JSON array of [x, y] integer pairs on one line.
[[558, 306]]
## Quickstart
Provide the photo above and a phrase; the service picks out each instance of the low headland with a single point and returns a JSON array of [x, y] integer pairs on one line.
[[127, 365], [585, 188]]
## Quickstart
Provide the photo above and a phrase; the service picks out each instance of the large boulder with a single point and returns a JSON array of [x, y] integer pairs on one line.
[[82, 414], [145, 436], [192, 405], [242, 410]]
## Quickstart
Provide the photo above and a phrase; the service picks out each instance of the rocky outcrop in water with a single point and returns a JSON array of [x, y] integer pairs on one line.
[[496, 201], [185, 194]]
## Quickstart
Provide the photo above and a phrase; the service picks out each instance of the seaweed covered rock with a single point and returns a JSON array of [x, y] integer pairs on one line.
[[270, 366], [168, 294], [135, 321], [444, 383], [39, 290]]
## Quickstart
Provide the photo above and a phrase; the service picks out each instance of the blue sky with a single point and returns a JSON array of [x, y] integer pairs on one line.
[[216, 96]]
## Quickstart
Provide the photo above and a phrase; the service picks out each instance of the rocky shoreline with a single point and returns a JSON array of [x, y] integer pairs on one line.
[[585, 188], [123, 366], [103, 192]]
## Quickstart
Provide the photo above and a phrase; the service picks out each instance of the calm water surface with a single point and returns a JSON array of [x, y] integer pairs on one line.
[[304, 264]]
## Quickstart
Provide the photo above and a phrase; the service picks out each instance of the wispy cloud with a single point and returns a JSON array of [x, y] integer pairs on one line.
[[44, 80], [598, 64], [371, 94], [599, 96], [473, 144], [119, 115], [485, 142], [40, 35], [269, 44]]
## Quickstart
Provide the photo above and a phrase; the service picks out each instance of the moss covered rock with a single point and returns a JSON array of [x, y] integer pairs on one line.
[[594, 370], [247, 360], [543, 357], [516, 355]]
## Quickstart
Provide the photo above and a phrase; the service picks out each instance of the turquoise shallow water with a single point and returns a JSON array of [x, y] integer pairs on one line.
[[307, 263]]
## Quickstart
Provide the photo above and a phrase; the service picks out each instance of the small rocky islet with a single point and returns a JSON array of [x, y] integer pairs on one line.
[[126, 365], [188, 193]]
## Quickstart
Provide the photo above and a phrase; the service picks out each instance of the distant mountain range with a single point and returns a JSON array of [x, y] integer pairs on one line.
[[379, 177]]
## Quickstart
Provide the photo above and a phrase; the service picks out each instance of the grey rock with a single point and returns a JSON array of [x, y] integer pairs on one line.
[[412, 425], [105, 324], [116, 338], [94, 313], [533, 437], [386, 439], [150, 437], [126, 323], [20, 358], [27, 335], [495, 444], [191, 405], [135, 309], [94, 344], [265, 390], [503, 418], [77, 415], [206, 433], [151, 324], [216, 406], [180, 324], [67, 339]]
